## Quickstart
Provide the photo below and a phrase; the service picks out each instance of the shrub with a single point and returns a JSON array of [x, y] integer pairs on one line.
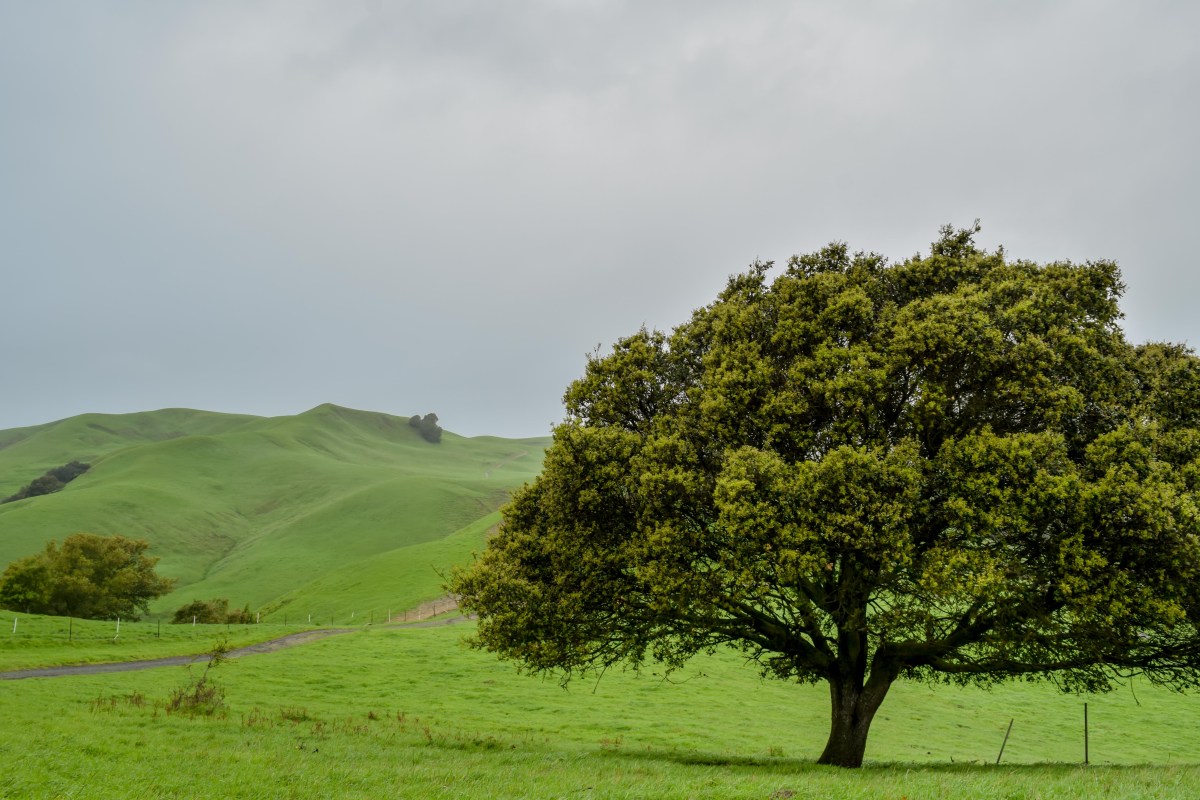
[[201, 697], [208, 612], [240, 616], [212, 612]]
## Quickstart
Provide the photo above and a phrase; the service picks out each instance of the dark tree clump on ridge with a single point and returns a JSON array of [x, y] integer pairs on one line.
[[427, 426], [953, 468]]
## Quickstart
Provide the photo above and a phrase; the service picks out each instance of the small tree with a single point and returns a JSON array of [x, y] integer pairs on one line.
[[90, 576], [950, 469]]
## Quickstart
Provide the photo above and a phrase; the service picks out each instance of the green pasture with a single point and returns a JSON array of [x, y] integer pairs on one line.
[[402, 712], [252, 509]]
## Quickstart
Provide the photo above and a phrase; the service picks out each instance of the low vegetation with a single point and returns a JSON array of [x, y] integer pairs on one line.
[[201, 696]]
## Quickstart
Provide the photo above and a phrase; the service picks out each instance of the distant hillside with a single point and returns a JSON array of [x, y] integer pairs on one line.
[[256, 508], [26, 453]]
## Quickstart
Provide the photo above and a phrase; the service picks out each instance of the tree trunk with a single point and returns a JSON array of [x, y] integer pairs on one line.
[[853, 708]]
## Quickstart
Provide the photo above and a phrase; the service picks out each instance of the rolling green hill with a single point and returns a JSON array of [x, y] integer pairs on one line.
[[255, 508]]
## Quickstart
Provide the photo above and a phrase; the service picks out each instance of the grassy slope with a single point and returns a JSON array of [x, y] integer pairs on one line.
[[26, 453], [410, 713], [251, 508], [392, 581]]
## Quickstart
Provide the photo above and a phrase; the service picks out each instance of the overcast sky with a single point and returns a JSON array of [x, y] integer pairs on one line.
[[443, 206]]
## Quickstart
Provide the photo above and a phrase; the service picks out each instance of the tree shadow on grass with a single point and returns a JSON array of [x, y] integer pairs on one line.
[[785, 766]]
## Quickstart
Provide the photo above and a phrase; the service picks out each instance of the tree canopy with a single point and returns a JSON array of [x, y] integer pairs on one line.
[[427, 426], [89, 576], [50, 482], [951, 468]]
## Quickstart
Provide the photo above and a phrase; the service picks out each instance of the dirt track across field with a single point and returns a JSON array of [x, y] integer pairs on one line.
[[291, 640]]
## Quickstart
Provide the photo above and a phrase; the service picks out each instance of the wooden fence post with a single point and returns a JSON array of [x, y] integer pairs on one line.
[[1002, 744], [1085, 734]]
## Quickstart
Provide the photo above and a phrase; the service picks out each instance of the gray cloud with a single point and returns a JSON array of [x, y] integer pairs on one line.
[[443, 206]]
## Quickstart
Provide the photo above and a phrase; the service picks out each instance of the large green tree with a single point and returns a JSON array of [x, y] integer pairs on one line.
[[89, 576], [950, 468]]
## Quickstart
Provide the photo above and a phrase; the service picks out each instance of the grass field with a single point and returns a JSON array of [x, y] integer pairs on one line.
[[252, 509], [411, 713]]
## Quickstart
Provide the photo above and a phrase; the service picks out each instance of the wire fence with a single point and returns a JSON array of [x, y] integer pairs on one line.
[[16, 627], [433, 608], [374, 616], [30, 628]]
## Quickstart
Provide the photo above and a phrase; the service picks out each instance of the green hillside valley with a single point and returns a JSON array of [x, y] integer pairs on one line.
[[332, 513], [352, 517]]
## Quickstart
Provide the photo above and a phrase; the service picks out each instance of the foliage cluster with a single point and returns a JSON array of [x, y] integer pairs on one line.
[[952, 468], [212, 612], [427, 426], [89, 576], [52, 481]]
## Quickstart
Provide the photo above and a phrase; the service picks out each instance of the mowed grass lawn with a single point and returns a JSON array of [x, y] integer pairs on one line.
[[412, 713]]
